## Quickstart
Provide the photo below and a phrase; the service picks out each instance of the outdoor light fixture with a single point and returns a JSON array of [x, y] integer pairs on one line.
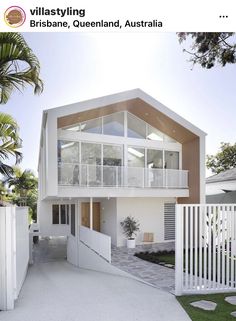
[[74, 128], [135, 152], [67, 145], [154, 136], [82, 126]]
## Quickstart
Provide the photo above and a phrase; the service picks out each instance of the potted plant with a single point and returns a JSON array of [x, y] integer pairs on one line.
[[130, 228]]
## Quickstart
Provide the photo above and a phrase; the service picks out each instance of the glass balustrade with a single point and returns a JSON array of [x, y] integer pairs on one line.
[[89, 175]]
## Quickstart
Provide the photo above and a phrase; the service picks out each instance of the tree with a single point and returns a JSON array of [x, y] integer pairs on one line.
[[24, 189], [22, 182], [18, 66], [223, 160], [210, 48], [10, 143]]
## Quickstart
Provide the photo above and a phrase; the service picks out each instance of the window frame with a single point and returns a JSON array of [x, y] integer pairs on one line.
[[67, 213]]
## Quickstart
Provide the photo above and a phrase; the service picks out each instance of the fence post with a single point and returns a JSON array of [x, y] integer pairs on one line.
[[178, 249]]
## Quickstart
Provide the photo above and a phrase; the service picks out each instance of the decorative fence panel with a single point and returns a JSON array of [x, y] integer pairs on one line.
[[205, 248]]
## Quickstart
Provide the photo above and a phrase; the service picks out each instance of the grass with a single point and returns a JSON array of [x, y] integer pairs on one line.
[[156, 257], [221, 313]]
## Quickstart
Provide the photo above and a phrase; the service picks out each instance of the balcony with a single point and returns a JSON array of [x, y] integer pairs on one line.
[[84, 175]]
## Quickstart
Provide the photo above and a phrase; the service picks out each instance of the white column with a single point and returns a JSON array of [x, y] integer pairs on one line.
[[91, 213]]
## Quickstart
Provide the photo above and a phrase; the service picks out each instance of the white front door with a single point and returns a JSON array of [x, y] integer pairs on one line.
[[72, 241]]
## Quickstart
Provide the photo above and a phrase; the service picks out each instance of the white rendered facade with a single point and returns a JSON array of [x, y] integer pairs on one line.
[[106, 151]]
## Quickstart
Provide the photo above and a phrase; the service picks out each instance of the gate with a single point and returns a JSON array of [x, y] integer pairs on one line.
[[205, 248]]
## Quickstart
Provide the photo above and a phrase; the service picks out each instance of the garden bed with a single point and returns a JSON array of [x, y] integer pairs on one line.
[[164, 258]]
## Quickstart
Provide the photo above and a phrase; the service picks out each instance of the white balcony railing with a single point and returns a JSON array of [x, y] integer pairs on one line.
[[85, 175]]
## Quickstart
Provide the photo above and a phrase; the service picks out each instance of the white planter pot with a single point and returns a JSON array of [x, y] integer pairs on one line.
[[130, 244]]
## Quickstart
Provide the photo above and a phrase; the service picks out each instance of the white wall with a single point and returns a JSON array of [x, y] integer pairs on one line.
[[217, 187], [22, 246], [45, 219], [148, 211], [109, 219], [14, 253]]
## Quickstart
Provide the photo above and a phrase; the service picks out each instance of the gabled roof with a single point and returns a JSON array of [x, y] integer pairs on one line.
[[229, 175], [112, 100], [135, 99]]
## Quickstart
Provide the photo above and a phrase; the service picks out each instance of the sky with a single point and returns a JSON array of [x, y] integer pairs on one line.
[[77, 67]]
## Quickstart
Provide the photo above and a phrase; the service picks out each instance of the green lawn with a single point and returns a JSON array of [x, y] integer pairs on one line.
[[221, 313]]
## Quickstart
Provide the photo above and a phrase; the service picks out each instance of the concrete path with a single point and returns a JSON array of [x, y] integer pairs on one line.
[[159, 276], [50, 249], [57, 291]]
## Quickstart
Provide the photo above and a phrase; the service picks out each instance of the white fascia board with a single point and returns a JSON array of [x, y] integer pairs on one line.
[[94, 103], [123, 96], [73, 192]]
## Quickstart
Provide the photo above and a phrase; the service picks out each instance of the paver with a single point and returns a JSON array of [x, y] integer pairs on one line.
[[231, 299], [204, 305], [160, 276], [233, 314]]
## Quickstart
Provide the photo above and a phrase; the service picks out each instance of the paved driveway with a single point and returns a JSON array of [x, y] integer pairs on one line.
[[57, 291]]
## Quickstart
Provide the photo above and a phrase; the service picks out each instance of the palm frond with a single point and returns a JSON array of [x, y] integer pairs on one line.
[[14, 49]]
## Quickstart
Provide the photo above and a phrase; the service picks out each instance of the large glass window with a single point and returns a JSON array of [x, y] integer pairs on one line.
[[68, 159], [136, 127], [112, 155], [112, 160], [154, 158], [114, 124], [91, 153], [136, 157], [93, 126], [154, 134], [68, 151], [171, 160]]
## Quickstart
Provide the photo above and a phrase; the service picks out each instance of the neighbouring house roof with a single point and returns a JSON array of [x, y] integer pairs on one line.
[[229, 175], [223, 198]]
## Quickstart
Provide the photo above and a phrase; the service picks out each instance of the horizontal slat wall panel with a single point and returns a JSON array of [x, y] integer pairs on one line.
[[169, 221]]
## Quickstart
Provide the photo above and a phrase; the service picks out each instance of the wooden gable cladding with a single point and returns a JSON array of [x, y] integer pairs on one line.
[[162, 122], [140, 109]]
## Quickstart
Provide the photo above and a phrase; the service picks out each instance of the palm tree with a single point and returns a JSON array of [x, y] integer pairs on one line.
[[9, 143], [22, 182], [14, 55]]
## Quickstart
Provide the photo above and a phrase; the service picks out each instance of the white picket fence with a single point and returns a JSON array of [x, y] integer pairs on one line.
[[98, 242], [14, 253], [205, 248]]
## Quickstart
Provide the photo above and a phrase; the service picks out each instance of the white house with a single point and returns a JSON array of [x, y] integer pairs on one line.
[[223, 182], [124, 154], [221, 188]]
